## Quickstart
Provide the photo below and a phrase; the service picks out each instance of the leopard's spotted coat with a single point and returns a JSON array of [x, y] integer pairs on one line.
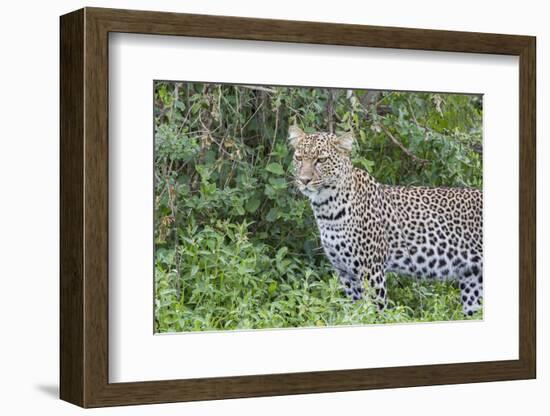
[[368, 229]]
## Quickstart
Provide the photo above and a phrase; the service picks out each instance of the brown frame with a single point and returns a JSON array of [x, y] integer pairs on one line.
[[84, 208]]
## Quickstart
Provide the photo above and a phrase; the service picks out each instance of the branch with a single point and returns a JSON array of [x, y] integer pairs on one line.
[[371, 101], [417, 159], [259, 88], [330, 111], [370, 98], [402, 146], [427, 130]]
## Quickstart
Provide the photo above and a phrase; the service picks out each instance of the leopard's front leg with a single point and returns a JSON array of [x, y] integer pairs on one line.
[[373, 267], [352, 284], [375, 277]]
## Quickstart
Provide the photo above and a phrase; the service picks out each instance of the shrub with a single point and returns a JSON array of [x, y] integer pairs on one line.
[[237, 247]]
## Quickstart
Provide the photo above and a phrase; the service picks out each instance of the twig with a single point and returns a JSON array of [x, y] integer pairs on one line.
[[221, 148], [402, 146], [330, 111], [175, 98], [420, 126], [369, 99], [392, 138], [251, 117], [384, 96], [259, 88], [205, 119], [274, 136]]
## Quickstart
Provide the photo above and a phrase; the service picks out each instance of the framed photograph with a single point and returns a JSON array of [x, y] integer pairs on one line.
[[255, 207]]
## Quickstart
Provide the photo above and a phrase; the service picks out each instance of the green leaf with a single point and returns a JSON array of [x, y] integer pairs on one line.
[[281, 252], [366, 164], [253, 204], [278, 183], [271, 215], [275, 168], [272, 287]]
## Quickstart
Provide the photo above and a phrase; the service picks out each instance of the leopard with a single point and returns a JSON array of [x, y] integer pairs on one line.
[[369, 229]]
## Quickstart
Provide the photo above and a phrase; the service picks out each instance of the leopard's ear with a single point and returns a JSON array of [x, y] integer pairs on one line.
[[295, 134], [344, 142]]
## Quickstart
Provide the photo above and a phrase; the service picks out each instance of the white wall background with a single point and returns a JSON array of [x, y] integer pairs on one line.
[[29, 206]]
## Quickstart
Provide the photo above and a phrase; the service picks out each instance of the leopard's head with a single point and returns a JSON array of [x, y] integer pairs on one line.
[[320, 160]]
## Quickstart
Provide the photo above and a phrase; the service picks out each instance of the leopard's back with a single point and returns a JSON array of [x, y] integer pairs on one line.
[[433, 232]]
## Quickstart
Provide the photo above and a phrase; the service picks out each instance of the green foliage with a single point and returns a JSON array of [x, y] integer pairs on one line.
[[238, 247]]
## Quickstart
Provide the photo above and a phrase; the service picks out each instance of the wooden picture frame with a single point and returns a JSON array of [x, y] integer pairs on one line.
[[84, 207]]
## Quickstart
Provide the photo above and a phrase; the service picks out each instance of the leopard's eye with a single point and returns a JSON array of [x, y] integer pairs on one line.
[[298, 157], [322, 159]]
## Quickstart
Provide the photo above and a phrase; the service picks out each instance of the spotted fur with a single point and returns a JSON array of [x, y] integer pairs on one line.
[[368, 229]]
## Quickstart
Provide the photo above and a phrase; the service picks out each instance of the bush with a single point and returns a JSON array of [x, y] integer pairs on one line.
[[237, 247]]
